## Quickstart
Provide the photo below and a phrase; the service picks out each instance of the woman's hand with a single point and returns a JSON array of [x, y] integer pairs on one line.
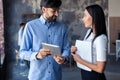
[[73, 49], [76, 57]]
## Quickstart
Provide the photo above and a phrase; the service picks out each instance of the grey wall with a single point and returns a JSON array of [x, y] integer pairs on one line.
[[69, 12]]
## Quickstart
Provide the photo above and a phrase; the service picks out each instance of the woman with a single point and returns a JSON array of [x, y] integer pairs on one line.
[[95, 20]]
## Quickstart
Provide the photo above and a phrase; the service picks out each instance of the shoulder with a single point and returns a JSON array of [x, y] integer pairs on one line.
[[33, 21], [101, 39]]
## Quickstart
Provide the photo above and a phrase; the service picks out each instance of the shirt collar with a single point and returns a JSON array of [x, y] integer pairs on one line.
[[44, 21]]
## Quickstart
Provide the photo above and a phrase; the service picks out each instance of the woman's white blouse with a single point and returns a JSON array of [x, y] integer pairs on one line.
[[99, 48]]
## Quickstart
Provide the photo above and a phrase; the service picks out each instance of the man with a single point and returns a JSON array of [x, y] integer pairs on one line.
[[20, 33], [43, 65]]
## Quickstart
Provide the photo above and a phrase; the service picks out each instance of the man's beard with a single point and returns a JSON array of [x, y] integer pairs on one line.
[[52, 19]]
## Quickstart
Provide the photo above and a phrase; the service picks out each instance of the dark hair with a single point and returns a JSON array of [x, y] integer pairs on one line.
[[50, 3], [98, 19], [22, 24]]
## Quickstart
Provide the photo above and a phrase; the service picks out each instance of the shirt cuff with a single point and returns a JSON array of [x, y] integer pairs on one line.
[[66, 58], [33, 56]]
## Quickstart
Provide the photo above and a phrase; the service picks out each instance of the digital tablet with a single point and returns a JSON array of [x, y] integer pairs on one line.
[[53, 48]]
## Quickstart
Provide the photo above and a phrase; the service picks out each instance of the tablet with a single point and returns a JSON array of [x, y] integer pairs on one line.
[[53, 48]]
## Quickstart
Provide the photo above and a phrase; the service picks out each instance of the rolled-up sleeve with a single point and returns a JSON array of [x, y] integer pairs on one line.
[[26, 52], [66, 45]]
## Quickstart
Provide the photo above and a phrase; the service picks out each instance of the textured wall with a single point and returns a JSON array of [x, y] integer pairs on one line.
[[1, 34], [69, 12], [72, 11]]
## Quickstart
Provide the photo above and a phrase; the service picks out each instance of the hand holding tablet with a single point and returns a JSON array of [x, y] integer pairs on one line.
[[53, 48]]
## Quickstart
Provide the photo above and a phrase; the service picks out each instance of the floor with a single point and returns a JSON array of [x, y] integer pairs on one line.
[[20, 72]]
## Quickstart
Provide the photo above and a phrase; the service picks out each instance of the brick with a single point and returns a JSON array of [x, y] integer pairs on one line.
[[1, 15], [1, 26], [1, 11], [1, 19]]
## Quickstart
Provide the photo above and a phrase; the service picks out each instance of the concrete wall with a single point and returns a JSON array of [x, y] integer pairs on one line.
[[70, 9], [114, 6]]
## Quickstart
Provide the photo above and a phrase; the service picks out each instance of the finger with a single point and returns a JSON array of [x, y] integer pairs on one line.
[[73, 49], [59, 57], [61, 61], [72, 54], [43, 53], [47, 50], [47, 53], [55, 57]]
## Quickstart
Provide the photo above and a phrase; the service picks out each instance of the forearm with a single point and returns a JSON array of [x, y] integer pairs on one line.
[[98, 67], [28, 55]]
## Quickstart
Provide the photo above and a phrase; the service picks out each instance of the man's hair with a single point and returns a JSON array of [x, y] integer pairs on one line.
[[50, 3], [22, 24]]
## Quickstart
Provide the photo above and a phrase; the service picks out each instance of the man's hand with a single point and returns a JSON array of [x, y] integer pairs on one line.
[[42, 53], [59, 59]]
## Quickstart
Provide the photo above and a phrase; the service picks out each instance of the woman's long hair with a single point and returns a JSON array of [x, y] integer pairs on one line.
[[98, 19]]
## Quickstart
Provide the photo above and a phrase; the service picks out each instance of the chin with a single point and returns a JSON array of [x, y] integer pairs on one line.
[[53, 20], [87, 27]]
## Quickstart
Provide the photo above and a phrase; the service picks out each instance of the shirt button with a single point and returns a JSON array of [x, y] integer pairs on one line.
[[48, 35], [48, 71], [49, 62]]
